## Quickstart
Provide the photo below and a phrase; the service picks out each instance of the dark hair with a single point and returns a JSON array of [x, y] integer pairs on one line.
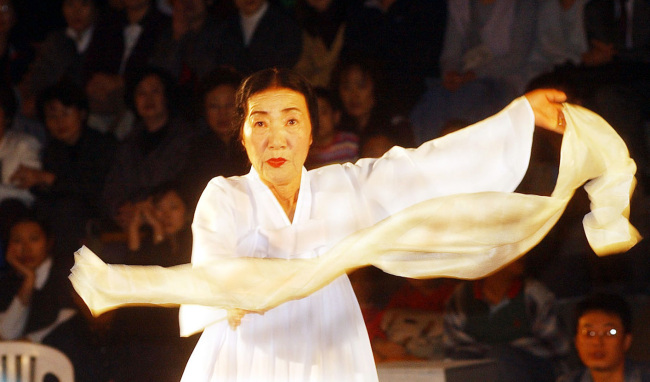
[[220, 76], [66, 92], [158, 192], [608, 303], [368, 67], [269, 79], [8, 102], [135, 78]]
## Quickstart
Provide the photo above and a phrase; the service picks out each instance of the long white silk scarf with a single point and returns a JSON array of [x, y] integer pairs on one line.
[[463, 236]]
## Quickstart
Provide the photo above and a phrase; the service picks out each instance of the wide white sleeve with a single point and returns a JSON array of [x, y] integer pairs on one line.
[[491, 155], [214, 237]]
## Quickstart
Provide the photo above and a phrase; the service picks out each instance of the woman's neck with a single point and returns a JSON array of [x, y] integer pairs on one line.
[[287, 196]]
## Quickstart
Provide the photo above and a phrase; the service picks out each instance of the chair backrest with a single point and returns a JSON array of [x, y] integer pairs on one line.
[[31, 362]]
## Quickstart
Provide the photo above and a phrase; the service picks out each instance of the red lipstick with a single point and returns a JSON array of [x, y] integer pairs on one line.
[[276, 162]]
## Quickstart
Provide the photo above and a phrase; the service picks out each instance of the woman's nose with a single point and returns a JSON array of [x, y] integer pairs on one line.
[[277, 137]]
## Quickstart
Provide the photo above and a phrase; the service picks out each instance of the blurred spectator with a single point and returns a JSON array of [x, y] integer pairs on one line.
[[323, 25], [363, 93], [15, 52], [151, 348], [404, 36], [217, 150], [63, 52], [260, 36], [16, 150], [483, 63], [35, 295], [603, 337], [613, 75], [560, 37], [123, 44], [330, 144], [510, 319], [76, 160], [411, 324], [188, 49], [154, 152]]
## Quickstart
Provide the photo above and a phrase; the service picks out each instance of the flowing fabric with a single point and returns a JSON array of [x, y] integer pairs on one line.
[[463, 236]]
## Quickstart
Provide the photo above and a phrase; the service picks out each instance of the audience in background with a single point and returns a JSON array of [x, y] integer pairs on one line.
[[603, 337], [259, 36], [330, 144], [123, 43], [483, 63], [76, 160], [217, 149], [508, 318], [62, 54], [35, 296], [154, 152], [323, 29], [376, 58], [411, 324], [159, 234], [188, 48], [404, 37], [364, 97], [17, 150]]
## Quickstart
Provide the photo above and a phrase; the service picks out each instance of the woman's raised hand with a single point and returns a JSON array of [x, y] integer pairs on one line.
[[547, 106]]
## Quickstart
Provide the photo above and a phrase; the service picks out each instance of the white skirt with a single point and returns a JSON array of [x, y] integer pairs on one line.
[[318, 338]]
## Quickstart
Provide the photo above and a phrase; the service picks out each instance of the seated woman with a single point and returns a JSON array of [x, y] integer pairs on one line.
[[366, 111], [150, 348], [35, 297]]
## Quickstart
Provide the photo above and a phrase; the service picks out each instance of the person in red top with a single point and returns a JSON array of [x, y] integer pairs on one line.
[[410, 326]]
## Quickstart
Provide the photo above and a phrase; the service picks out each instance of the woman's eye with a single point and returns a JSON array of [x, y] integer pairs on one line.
[[258, 124], [292, 122]]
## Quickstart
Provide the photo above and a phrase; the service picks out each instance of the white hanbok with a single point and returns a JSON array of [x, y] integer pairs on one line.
[[443, 210], [323, 337]]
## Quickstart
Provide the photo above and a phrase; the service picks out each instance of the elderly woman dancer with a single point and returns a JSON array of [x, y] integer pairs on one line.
[[281, 211]]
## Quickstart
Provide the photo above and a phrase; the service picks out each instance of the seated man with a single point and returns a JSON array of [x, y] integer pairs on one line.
[[509, 318], [602, 340]]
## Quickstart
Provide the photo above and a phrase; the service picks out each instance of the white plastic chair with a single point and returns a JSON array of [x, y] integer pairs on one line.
[[31, 362]]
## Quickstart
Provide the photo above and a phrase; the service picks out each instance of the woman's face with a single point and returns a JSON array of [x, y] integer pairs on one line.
[[28, 244], [220, 109], [7, 16], [149, 97], [357, 92], [78, 14], [63, 122], [277, 135], [171, 212]]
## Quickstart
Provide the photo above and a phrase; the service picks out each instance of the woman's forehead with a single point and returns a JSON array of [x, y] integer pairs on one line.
[[276, 99]]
